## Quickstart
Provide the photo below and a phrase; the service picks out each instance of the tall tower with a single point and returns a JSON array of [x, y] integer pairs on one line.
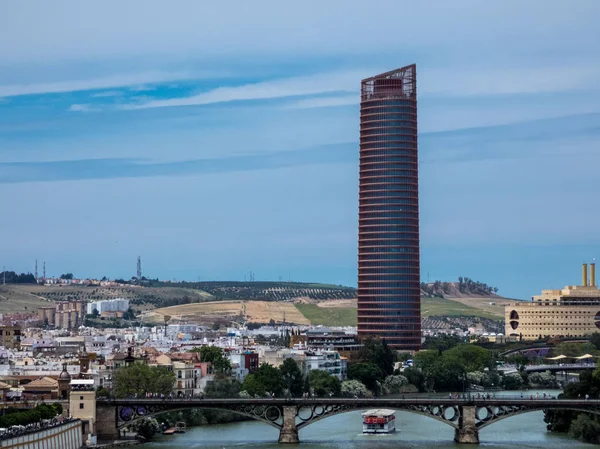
[[36, 272], [139, 268], [389, 303]]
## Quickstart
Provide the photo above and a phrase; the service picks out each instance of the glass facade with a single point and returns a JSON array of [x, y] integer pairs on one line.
[[389, 303]]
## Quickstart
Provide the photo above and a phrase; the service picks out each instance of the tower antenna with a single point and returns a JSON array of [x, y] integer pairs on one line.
[[36, 273], [44, 270]]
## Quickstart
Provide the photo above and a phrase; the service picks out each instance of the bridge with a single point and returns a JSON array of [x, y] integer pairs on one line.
[[466, 415], [560, 367]]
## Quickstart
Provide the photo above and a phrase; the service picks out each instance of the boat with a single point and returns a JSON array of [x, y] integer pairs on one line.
[[170, 431], [180, 427], [379, 421]]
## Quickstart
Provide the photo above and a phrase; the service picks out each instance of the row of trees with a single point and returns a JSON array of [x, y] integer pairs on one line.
[[13, 278], [19, 417]]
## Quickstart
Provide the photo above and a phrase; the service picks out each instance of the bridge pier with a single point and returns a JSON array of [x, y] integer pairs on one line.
[[289, 432], [467, 432], [106, 423]]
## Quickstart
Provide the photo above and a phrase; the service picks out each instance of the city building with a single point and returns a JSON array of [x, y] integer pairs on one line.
[[64, 314], [11, 337], [108, 305], [388, 236], [573, 311]]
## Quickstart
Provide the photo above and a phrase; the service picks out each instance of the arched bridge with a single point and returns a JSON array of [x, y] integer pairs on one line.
[[466, 415]]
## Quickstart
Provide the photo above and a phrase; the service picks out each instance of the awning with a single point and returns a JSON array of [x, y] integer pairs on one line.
[[585, 356], [558, 357]]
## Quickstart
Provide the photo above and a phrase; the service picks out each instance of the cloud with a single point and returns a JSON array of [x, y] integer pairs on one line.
[[345, 81], [107, 93], [433, 82], [132, 79], [325, 102], [80, 108]]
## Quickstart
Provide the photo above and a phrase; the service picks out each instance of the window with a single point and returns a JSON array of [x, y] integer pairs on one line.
[[81, 406]]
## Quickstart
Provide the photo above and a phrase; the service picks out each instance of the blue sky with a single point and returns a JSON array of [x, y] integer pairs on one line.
[[214, 139]]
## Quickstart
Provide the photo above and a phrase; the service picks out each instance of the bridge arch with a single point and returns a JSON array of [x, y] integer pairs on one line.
[[269, 414], [494, 417], [437, 412]]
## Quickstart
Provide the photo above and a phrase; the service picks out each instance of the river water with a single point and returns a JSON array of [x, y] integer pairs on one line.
[[344, 432]]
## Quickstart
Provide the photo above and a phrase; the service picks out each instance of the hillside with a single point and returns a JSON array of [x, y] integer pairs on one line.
[[207, 302], [327, 313]]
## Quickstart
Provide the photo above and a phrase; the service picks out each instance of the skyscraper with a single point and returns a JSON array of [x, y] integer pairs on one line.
[[389, 302]]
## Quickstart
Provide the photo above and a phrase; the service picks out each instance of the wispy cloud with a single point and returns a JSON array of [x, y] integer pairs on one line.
[[133, 79], [325, 102], [80, 108], [345, 81], [107, 93]]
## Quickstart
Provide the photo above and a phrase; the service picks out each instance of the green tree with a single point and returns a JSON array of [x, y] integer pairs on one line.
[[585, 428], [324, 384], [222, 387], [292, 377], [67, 276], [253, 386], [271, 378], [377, 351], [415, 377], [595, 340], [367, 373], [215, 356], [139, 378]]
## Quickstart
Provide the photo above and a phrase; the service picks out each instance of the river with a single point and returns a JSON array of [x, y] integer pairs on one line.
[[344, 432]]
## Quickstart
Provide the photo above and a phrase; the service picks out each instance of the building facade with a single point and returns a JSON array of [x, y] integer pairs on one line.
[[108, 305], [389, 303], [11, 337], [573, 311]]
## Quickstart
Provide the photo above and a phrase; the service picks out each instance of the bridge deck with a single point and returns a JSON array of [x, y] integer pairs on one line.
[[368, 403]]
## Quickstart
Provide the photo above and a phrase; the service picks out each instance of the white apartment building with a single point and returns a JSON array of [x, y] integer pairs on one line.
[[108, 305]]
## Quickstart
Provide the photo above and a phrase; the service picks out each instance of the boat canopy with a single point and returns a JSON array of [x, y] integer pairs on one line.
[[379, 412]]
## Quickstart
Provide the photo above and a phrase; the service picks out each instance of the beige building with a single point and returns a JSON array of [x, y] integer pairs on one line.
[[573, 311], [10, 337]]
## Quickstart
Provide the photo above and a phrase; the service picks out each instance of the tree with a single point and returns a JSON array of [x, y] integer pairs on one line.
[[95, 313], [394, 384], [595, 339], [222, 387], [542, 380], [354, 389], [215, 356], [377, 351], [585, 428], [67, 276], [139, 378], [265, 380], [128, 315], [146, 428], [292, 377], [415, 377], [512, 381], [323, 383], [367, 373], [253, 387]]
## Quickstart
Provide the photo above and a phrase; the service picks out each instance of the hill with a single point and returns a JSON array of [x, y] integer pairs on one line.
[[327, 313]]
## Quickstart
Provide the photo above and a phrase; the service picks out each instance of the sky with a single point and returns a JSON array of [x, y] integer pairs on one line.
[[217, 138]]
